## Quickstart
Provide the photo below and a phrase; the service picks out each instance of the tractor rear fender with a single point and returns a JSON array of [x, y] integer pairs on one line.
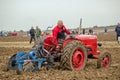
[[67, 40], [70, 38]]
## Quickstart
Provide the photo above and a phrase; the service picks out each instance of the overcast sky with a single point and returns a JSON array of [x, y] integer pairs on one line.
[[22, 14]]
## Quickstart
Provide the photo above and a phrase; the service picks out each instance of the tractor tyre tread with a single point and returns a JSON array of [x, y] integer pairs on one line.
[[99, 61], [65, 62]]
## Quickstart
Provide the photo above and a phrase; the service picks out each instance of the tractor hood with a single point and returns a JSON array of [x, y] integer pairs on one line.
[[86, 37]]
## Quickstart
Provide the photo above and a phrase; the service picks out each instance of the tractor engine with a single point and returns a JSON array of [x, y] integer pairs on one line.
[[90, 42]]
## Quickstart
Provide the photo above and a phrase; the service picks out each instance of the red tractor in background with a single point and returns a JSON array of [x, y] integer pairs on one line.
[[75, 50], [13, 34]]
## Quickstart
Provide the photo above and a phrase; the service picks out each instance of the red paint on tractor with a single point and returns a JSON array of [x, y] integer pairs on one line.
[[67, 41], [90, 41], [105, 61], [78, 59], [48, 42]]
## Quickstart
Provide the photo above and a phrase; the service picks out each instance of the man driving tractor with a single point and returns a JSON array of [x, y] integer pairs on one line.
[[58, 38], [59, 33]]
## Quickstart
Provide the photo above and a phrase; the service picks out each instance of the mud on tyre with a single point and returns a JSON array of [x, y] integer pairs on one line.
[[74, 56], [104, 60]]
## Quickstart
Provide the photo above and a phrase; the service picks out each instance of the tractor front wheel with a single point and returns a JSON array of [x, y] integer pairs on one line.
[[74, 56], [104, 60]]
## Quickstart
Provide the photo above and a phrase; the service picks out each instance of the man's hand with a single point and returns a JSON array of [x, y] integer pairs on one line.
[[58, 46]]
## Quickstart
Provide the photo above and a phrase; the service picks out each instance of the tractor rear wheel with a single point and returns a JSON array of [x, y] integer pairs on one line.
[[104, 60], [74, 56]]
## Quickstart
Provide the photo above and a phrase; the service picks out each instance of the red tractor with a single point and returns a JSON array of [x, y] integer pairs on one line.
[[72, 54], [75, 51]]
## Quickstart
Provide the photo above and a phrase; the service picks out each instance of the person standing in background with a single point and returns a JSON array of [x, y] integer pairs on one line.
[[32, 34], [117, 30], [105, 29], [83, 31], [37, 33], [91, 31]]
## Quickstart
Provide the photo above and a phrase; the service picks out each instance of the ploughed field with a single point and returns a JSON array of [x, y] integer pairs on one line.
[[11, 45]]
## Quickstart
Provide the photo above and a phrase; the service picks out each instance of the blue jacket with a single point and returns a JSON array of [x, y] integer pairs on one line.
[[117, 30]]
